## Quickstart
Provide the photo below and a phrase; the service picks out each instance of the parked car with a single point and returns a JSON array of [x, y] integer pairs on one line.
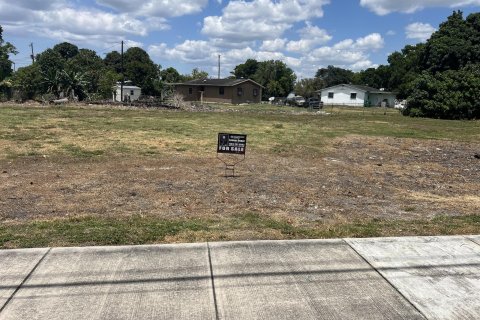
[[297, 101], [314, 103]]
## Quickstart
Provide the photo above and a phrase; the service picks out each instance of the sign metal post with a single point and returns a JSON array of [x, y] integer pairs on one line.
[[234, 144]]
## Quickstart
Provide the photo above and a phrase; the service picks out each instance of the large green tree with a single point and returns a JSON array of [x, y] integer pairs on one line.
[[170, 75], [332, 75], [196, 74], [448, 73], [246, 70], [374, 77], [453, 94], [307, 87], [405, 66], [141, 70], [28, 81], [66, 50], [6, 49], [113, 61], [90, 65], [277, 78]]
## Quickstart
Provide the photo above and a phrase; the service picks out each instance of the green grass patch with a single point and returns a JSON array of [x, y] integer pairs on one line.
[[137, 229], [292, 129]]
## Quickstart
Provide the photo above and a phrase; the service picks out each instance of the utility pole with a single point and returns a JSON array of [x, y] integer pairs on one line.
[[219, 66], [32, 55], [123, 77], [13, 66]]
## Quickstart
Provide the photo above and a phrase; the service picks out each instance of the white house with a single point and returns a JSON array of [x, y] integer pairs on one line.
[[130, 93], [356, 96]]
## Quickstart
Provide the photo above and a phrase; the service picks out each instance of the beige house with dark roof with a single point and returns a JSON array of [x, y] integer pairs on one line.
[[234, 91]]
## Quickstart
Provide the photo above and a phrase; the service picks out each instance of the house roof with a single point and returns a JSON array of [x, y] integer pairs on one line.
[[217, 82], [358, 87], [127, 87]]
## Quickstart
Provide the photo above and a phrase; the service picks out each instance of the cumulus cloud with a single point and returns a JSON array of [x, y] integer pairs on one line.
[[310, 36], [267, 18], [419, 31], [156, 8], [273, 45], [348, 53], [383, 7], [62, 20], [373, 42]]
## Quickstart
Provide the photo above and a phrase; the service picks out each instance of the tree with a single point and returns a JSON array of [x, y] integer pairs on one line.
[[307, 87], [374, 77], [88, 63], [453, 94], [170, 75], [106, 82], [196, 74], [113, 61], [246, 70], [66, 50], [405, 67], [50, 60], [6, 48], [334, 75], [52, 82], [73, 83], [27, 81], [141, 70], [277, 78]]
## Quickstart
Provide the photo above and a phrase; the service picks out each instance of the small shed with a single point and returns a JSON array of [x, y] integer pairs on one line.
[[234, 91], [130, 93], [356, 96]]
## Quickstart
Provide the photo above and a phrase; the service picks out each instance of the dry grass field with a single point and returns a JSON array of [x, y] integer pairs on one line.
[[83, 175]]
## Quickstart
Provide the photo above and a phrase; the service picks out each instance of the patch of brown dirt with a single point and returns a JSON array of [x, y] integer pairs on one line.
[[360, 177]]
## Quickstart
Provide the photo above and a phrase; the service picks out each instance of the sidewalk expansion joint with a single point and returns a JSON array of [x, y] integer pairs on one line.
[[385, 278], [24, 280], [212, 279], [471, 240]]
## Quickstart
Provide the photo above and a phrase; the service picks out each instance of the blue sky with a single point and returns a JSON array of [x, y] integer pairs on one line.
[[305, 34]]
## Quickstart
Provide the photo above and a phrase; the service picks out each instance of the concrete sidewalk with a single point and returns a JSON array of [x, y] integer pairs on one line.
[[381, 278]]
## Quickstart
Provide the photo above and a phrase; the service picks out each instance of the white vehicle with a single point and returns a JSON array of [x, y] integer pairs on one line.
[[400, 104], [297, 101]]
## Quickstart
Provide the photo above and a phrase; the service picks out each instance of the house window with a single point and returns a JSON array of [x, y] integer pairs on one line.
[[190, 90], [221, 91], [353, 96], [255, 92], [330, 95], [239, 91], [202, 88], [131, 92]]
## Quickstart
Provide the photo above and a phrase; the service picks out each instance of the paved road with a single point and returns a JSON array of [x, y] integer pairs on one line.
[[381, 278]]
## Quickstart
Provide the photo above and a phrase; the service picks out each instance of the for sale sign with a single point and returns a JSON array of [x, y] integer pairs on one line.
[[232, 143]]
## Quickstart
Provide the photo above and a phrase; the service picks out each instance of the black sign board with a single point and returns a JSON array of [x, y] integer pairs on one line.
[[232, 143]]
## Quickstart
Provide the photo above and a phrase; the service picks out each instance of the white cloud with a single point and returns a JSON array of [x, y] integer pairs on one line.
[[419, 31], [242, 30], [273, 45], [391, 33], [62, 21], [156, 8], [260, 19], [347, 53], [373, 42], [383, 7], [310, 36]]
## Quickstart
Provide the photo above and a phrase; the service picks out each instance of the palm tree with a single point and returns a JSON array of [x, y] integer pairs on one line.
[[53, 81], [73, 83]]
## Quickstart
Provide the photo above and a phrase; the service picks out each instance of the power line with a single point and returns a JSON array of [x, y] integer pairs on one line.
[[115, 45]]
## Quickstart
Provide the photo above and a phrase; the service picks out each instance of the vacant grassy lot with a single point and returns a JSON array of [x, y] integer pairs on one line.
[[81, 175]]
